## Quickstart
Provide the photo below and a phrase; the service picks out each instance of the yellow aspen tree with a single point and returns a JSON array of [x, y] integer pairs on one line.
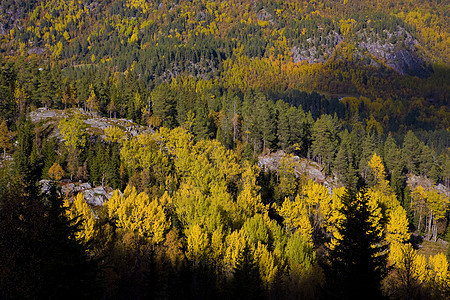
[[410, 270], [318, 202], [56, 172], [255, 230], [382, 191], [439, 274], [235, 243], [377, 167], [397, 227], [21, 97], [136, 213], [418, 203], [296, 217], [151, 221], [420, 268], [217, 245], [437, 206], [375, 214], [197, 244], [80, 209], [336, 216], [92, 102], [300, 254], [249, 199], [114, 134], [267, 264]]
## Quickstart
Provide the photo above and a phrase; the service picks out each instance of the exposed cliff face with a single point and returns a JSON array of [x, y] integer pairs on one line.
[[408, 62], [302, 166], [397, 50]]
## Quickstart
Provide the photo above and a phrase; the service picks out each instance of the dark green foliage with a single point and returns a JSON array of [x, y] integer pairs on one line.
[[325, 140], [245, 283], [358, 262], [164, 105], [40, 257], [411, 152]]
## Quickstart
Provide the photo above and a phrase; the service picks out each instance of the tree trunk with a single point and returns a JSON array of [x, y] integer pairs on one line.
[[420, 219], [429, 225], [434, 233]]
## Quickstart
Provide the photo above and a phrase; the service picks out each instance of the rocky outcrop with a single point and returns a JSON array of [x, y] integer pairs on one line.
[[96, 125], [415, 180], [398, 51], [94, 196], [302, 166]]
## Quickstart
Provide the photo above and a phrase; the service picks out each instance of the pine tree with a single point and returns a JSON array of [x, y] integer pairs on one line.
[[246, 282], [40, 258], [412, 149], [357, 262], [325, 140]]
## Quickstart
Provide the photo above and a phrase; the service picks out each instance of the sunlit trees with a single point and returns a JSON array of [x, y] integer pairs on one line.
[[56, 172], [73, 132]]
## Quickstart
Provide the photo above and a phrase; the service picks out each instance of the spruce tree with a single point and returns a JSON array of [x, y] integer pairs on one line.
[[246, 282], [357, 262]]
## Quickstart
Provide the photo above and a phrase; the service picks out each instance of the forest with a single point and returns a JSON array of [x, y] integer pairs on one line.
[[217, 149]]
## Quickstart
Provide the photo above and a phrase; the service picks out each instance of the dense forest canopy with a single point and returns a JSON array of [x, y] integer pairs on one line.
[[216, 149]]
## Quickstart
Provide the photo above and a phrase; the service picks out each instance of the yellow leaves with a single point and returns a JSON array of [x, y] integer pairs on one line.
[[397, 227], [57, 50], [256, 230], [197, 243], [377, 167], [114, 134], [408, 263], [346, 25], [235, 244], [56, 172], [439, 269], [415, 267], [217, 245], [336, 217], [375, 213], [267, 264], [318, 201], [249, 199], [80, 209], [66, 36], [300, 254], [384, 197], [136, 213], [296, 218], [72, 130], [438, 203]]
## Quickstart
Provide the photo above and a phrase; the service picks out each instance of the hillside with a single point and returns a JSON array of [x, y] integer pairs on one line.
[[224, 149], [396, 54]]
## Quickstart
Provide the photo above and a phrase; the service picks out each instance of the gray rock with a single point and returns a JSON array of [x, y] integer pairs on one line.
[[45, 186], [84, 186], [68, 189], [93, 198]]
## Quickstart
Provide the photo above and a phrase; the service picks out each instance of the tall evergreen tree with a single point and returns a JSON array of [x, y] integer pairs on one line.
[[246, 282], [412, 149], [40, 258], [325, 140], [358, 260]]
